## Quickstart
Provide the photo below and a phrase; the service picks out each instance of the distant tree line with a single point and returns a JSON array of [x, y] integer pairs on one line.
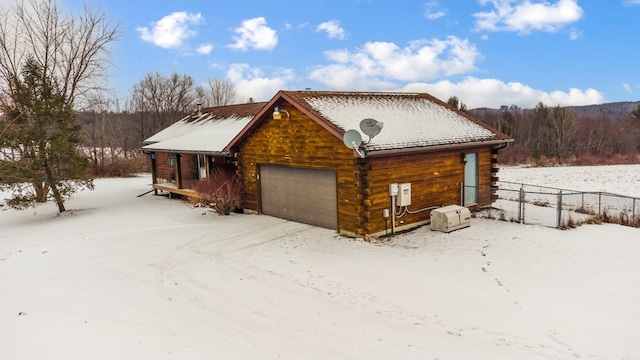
[[545, 135]]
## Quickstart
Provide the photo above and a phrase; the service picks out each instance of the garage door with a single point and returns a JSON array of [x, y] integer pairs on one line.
[[303, 195]]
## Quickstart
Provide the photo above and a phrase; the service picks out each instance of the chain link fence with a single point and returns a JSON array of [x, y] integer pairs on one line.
[[562, 208]]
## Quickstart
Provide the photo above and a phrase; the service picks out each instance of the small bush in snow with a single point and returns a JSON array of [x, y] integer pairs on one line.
[[489, 214], [584, 210], [222, 191], [123, 167], [570, 224]]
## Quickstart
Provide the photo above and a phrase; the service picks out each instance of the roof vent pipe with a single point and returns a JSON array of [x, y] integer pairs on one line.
[[199, 109]]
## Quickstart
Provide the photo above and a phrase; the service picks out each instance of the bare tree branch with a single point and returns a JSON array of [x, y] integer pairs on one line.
[[220, 93], [72, 49]]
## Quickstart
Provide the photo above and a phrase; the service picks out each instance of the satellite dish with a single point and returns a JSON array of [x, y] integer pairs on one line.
[[370, 127], [352, 139]]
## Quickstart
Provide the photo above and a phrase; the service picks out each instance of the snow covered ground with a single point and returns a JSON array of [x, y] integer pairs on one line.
[[122, 277], [616, 179]]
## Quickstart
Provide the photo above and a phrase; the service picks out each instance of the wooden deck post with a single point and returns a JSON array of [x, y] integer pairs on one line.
[[178, 171], [154, 172]]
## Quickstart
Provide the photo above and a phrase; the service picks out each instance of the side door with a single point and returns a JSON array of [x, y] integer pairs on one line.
[[470, 179]]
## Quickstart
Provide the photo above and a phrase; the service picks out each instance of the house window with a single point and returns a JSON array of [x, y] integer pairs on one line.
[[172, 159], [470, 179], [202, 166]]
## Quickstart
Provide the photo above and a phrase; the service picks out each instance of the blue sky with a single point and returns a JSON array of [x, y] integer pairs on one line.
[[486, 52]]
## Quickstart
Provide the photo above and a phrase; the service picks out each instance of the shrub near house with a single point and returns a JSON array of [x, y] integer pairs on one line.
[[222, 191]]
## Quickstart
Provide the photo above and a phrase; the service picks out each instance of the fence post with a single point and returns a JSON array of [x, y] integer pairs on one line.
[[599, 204], [521, 206], [634, 212], [559, 209]]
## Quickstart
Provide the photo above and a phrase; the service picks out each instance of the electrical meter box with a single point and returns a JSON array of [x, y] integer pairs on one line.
[[404, 194]]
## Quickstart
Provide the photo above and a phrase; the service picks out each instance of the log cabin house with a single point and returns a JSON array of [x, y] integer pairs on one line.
[[189, 149], [295, 165]]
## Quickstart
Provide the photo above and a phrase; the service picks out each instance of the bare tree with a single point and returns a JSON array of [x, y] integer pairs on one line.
[[594, 134], [559, 132], [158, 101], [72, 49], [220, 93], [538, 118], [107, 133]]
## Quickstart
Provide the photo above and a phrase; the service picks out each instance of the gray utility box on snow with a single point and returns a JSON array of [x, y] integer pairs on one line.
[[450, 218]]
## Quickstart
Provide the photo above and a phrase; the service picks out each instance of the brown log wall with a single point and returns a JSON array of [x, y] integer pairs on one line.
[[298, 141], [163, 170], [435, 179], [167, 173]]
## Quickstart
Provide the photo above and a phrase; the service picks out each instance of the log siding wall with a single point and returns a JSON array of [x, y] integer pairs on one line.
[[169, 173], [163, 170], [298, 141], [435, 178]]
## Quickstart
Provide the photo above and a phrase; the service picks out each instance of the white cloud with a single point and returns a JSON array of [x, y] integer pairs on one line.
[[575, 34], [204, 49], [382, 63], [171, 31], [433, 10], [524, 16], [627, 87], [255, 34], [632, 2], [252, 83], [332, 28], [493, 93]]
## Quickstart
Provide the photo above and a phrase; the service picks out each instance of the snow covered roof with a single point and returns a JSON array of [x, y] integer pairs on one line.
[[410, 119], [207, 132]]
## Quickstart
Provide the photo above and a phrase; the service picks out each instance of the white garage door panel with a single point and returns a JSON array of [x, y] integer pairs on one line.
[[304, 195]]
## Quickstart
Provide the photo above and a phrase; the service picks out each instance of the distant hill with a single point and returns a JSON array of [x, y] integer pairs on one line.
[[615, 110]]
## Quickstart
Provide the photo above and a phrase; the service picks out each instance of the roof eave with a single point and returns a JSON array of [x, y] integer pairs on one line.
[[425, 149], [182, 151]]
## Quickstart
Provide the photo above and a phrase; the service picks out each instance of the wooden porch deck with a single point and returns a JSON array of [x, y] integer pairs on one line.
[[172, 188]]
